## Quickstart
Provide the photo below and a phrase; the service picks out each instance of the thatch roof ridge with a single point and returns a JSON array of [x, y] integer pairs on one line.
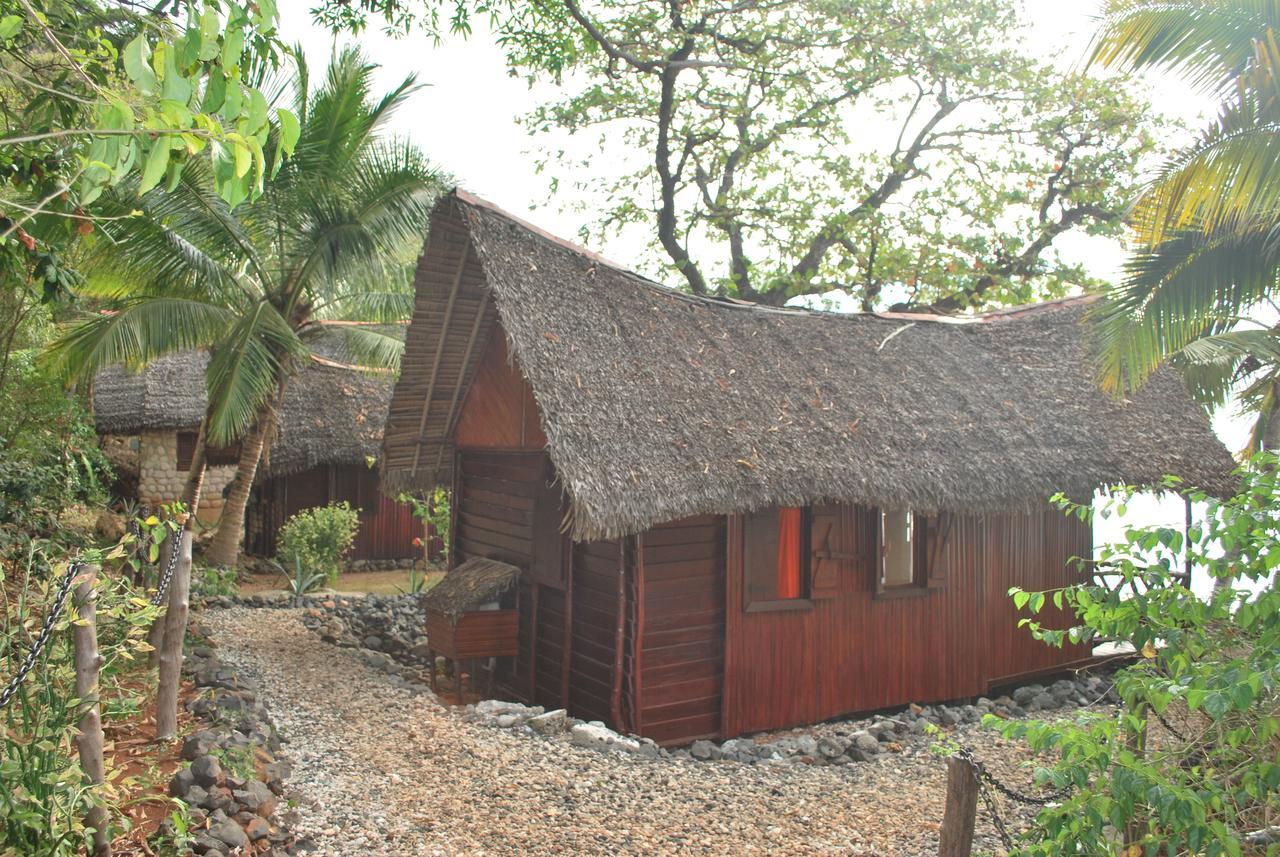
[[657, 404], [331, 414]]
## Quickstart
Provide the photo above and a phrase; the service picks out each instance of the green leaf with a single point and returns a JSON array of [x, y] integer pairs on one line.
[[10, 26], [137, 64], [157, 163], [232, 47], [289, 130], [215, 92], [209, 27]]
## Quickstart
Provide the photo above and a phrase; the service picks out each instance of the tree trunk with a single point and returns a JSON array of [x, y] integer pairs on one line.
[[89, 742], [195, 476], [155, 634], [224, 550], [175, 632], [955, 837]]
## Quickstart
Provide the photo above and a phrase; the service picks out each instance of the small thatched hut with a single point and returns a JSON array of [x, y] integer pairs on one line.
[[325, 450], [734, 518]]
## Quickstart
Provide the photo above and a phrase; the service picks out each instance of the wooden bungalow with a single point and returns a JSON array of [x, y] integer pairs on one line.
[[325, 450], [732, 517]]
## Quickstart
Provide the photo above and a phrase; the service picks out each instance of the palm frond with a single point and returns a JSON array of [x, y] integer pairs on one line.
[[1208, 42], [1214, 367], [246, 370], [135, 334], [1190, 285], [368, 305], [361, 346]]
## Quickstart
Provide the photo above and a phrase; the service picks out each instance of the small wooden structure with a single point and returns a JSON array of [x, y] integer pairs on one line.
[[460, 623], [735, 518]]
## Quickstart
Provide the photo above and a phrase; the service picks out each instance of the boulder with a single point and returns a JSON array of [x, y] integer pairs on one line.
[[832, 748], [703, 750], [230, 833], [181, 783], [866, 743], [551, 723], [257, 798], [206, 771]]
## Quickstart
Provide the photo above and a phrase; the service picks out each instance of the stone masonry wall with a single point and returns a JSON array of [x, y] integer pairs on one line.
[[160, 480]]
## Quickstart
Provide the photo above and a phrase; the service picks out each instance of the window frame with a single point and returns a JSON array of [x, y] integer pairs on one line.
[[779, 605], [919, 584]]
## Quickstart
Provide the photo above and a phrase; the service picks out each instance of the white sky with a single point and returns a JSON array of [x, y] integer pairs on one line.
[[466, 121]]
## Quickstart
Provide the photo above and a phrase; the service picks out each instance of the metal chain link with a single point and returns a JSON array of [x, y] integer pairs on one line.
[[987, 782], [50, 619], [175, 548]]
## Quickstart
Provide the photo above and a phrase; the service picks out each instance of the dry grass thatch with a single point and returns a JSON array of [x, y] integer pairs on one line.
[[473, 583], [331, 414], [658, 405]]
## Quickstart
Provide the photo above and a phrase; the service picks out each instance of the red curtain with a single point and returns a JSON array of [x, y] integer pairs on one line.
[[790, 544]]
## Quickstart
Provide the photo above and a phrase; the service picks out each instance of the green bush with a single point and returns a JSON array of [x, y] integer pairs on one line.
[[318, 538], [1189, 762]]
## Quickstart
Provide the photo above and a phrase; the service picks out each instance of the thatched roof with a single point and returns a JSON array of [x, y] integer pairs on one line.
[[473, 583], [331, 414], [657, 405]]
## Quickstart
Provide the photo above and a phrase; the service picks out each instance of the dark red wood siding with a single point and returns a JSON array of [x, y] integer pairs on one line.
[[387, 528]]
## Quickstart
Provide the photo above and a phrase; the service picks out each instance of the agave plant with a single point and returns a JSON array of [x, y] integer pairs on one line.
[[302, 581], [1205, 229], [328, 239]]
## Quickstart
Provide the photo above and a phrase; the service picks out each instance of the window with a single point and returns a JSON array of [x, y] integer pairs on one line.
[[214, 456], [775, 557], [902, 555]]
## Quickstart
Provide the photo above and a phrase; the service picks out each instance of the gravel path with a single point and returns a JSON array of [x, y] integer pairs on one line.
[[380, 771]]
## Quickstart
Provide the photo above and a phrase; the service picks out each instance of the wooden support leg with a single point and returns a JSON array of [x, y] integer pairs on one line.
[[89, 742], [955, 838]]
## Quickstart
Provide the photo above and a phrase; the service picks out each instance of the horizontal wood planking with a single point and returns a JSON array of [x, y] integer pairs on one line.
[[482, 634], [682, 647]]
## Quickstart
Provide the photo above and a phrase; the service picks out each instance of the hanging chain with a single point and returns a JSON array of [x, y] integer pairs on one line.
[[988, 783], [50, 619], [175, 548]]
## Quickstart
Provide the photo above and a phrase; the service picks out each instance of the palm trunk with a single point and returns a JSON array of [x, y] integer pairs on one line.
[[224, 550], [195, 476]]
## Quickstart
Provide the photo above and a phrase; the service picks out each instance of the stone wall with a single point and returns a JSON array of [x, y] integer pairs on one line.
[[160, 480]]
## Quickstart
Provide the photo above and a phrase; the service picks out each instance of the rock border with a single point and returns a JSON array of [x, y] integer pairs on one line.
[[235, 782]]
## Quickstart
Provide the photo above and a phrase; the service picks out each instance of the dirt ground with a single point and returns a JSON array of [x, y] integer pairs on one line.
[[376, 582]]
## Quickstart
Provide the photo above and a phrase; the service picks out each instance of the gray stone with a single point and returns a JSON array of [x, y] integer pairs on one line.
[[807, 745], [867, 743], [702, 750], [1044, 702], [257, 798], [206, 844], [181, 783], [196, 796], [229, 832], [1024, 695], [257, 828], [832, 748], [373, 641], [506, 721], [551, 723], [206, 771], [947, 717]]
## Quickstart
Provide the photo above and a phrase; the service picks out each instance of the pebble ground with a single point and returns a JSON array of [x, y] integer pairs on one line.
[[379, 771]]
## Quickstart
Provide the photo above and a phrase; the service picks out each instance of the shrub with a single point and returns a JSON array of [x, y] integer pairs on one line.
[[1190, 761], [318, 538]]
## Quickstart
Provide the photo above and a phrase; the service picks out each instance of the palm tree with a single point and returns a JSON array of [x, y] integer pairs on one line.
[[326, 239], [1205, 229]]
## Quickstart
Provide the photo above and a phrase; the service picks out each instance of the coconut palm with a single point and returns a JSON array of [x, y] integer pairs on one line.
[[1206, 228], [326, 239]]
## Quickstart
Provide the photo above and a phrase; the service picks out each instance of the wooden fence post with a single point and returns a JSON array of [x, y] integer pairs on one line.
[[175, 630], [955, 838], [155, 634], [89, 741]]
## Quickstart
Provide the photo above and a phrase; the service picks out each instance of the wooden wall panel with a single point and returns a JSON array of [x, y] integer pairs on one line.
[[853, 652], [499, 411], [594, 626], [681, 655]]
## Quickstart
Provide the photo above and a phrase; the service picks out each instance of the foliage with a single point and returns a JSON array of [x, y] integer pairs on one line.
[[418, 580], [43, 802], [435, 513], [49, 458], [316, 539], [96, 92], [259, 284], [213, 581], [1209, 666], [1204, 253], [304, 579]]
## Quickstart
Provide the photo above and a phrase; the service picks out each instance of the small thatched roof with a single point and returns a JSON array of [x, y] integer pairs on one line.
[[657, 405], [331, 414], [473, 583]]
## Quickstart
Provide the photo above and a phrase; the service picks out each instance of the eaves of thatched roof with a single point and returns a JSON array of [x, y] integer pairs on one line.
[[657, 405], [331, 414]]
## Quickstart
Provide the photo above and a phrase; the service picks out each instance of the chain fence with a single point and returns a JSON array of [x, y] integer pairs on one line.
[[988, 785], [60, 601]]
